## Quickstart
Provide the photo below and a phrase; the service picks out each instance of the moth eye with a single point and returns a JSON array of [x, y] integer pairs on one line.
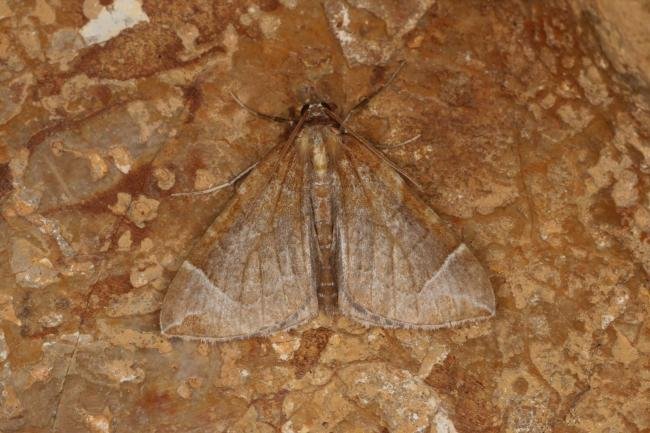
[[304, 109], [330, 106]]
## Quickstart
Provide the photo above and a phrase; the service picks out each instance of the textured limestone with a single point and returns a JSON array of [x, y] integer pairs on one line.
[[526, 123], [622, 28]]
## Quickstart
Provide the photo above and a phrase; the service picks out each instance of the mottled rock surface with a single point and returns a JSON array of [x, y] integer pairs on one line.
[[528, 132], [623, 32]]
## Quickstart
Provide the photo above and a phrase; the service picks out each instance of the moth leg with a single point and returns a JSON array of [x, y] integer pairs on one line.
[[393, 146], [264, 116], [231, 182], [366, 99]]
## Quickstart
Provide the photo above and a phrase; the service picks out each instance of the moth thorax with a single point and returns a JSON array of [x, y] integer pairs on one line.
[[319, 155]]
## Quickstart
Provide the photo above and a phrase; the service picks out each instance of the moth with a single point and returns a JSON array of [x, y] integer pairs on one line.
[[325, 220]]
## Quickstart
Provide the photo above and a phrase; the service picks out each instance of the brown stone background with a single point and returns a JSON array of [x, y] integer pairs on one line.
[[534, 144]]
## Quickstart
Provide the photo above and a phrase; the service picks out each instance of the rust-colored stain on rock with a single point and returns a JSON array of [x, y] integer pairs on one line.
[[525, 123], [312, 343]]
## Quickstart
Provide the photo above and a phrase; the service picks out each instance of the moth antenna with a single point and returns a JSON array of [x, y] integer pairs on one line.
[[368, 145], [231, 182], [386, 159], [366, 99], [264, 116]]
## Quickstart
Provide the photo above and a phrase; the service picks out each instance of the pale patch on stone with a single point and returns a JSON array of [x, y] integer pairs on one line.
[[122, 371], [496, 196], [4, 349], [319, 375], [132, 340], [39, 374], [345, 348], [204, 179], [98, 423], [442, 423], [141, 276], [188, 34], [284, 345], [368, 47], [561, 373], [548, 101], [124, 242], [141, 115], [326, 406], [134, 303], [24, 201], [169, 107], [624, 191], [249, 423], [18, 163], [415, 42], [269, 25], [642, 219], [142, 210], [169, 261], [577, 118], [184, 391], [64, 45], [7, 311], [28, 36], [605, 320], [51, 320], [57, 147], [289, 4], [122, 159], [77, 268], [591, 81], [52, 228], [146, 245], [112, 20], [619, 171], [122, 204], [403, 400], [10, 404], [623, 351], [5, 10], [165, 178], [568, 90], [98, 167], [92, 8], [627, 135], [195, 382], [31, 266], [13, 95], [44, 12], [568, 62], [436, 357]]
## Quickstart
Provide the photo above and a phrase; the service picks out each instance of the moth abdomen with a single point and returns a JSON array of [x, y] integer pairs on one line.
[[322, 217]]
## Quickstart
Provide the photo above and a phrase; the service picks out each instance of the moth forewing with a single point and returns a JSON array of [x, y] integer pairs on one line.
[[252, 273], [398, 264]]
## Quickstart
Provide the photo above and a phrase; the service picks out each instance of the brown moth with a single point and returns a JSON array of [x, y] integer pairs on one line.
[[324, 219]]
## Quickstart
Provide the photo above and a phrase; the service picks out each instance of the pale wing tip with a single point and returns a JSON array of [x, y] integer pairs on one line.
[[468, 284], [192, 301], [459, 292]]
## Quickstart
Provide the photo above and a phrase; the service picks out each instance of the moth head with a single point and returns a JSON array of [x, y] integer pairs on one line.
[[315, 112], [330, 106]]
